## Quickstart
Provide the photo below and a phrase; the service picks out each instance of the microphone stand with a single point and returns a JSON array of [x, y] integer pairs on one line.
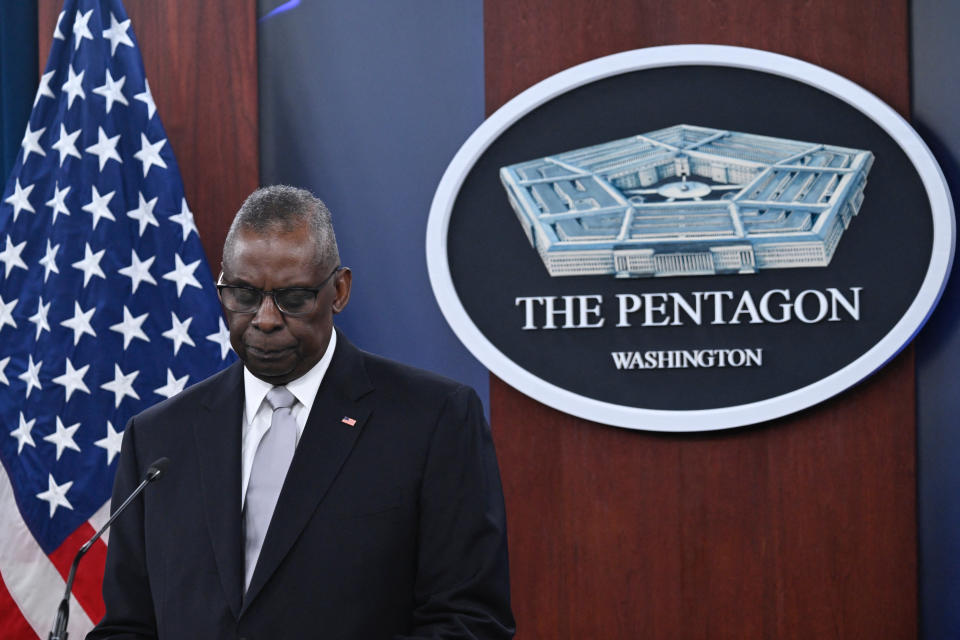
[[59, 631]]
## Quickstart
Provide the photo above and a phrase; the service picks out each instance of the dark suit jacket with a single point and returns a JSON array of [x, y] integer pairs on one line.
[[391, 528]]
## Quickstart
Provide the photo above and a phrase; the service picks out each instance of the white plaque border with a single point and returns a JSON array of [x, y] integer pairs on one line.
[[883, 351]]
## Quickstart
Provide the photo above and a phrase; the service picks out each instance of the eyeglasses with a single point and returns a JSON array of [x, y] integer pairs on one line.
[[291, 301]]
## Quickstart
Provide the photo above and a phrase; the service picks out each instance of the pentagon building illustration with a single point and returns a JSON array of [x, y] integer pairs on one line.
[[688, 200]]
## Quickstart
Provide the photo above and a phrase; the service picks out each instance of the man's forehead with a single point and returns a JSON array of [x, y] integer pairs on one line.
[[276, 251]]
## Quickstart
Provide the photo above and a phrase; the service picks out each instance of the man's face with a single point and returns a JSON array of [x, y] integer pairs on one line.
[[278, 348]]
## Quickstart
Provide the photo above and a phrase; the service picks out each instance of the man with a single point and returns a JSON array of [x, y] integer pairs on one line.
[[363, 503]]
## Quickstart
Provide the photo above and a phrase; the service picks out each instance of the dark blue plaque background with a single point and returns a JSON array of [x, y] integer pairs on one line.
[[885, 250]]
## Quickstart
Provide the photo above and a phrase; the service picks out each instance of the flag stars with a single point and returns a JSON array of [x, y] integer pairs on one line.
[[81, 28], [138, 271], [74, 86], [184, 219], [90, 265], [222, 338], [143, 214], [40, 318], [23, 433], [182, 274], [111, 443], [31, 143], [178, 333], [80, 322], [117, 33], [149, 153], [62, 438], [66, 144], [121, 385], [56, 494], [58, 202], [112, 90], [6, 313], [105, 149], [32, 375], [130, 327], [147, 98], [49, 260], [72, 380], [174, 385], [98, 206], [56, 32], [44, 89], [132, 205], [10, 257], [20, 199]]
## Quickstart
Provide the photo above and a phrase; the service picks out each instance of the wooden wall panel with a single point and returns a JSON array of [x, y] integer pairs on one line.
[[867, 41], [201, 61], [803, 527]]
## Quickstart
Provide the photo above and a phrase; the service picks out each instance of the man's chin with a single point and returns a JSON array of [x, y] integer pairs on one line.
[[276, 370]]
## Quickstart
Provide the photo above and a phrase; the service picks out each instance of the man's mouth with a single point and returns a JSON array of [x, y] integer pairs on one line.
[[268, 353]]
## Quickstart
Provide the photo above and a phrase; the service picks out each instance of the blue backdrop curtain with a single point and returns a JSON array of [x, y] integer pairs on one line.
[[18, 76], [936, 92], [365, 102]]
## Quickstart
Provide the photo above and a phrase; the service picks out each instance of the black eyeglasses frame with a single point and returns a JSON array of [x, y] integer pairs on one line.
[[273, 294]]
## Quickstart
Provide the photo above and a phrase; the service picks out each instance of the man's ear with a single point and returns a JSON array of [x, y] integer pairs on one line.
[[342, 282]]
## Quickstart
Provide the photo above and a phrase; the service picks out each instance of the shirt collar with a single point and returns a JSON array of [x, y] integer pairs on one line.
[[304, 388]]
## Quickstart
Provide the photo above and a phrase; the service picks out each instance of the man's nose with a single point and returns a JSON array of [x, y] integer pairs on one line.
[[268, 317]]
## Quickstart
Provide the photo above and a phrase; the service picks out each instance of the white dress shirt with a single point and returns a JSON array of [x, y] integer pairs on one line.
[[257, 413]]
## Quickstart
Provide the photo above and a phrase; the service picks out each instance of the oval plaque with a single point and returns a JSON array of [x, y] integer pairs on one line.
[[690, 238]]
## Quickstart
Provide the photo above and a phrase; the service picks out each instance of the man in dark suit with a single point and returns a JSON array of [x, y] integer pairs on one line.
[[385, 519]]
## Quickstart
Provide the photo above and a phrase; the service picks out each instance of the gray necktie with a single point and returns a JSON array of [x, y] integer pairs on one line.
[[270, 465]]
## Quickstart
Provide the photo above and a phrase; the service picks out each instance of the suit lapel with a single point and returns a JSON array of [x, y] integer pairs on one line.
[[218, 433], [325, 445]]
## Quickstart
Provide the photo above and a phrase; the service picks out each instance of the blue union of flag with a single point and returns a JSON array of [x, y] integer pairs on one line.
[[107, 304]]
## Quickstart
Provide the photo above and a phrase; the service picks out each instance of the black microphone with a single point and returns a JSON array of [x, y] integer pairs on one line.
[[154, 472]]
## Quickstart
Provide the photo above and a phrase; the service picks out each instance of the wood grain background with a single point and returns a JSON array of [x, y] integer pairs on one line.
[[804, 527]]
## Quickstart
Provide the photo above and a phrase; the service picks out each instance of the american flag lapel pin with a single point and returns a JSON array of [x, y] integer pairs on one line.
[[348, 421]]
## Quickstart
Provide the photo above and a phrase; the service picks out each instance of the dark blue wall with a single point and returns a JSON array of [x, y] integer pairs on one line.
[[365, 102], [936, 115], [18, 77]]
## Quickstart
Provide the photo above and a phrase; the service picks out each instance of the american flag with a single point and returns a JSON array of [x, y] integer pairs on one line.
[[107, 306]]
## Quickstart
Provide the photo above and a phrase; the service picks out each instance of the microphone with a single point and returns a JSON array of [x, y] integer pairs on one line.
[[59, 632]]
